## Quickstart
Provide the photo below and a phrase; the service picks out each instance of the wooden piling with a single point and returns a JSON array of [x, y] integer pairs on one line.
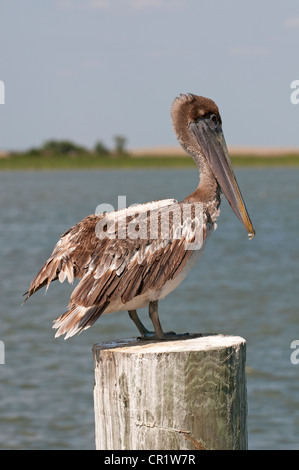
[[171, 395]]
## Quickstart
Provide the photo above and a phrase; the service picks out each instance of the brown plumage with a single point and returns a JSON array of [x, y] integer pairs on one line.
[[128, 272]]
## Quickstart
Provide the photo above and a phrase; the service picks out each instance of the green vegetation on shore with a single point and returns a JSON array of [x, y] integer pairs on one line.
[[67, 155]]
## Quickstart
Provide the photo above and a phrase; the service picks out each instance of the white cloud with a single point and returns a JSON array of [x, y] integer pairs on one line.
[[291, 22], [141, 4], [128, 4], [97, 4], [158, 4], [80, 5], [66, 73], [248, 51], [92, 64]]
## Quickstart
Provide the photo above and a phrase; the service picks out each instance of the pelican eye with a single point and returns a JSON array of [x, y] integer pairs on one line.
[[213, 118]]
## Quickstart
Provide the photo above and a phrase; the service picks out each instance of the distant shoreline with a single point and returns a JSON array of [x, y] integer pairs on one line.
[[156, 157], [234, 150]]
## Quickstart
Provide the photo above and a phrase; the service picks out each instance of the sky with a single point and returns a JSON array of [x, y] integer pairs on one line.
[[89, 70]]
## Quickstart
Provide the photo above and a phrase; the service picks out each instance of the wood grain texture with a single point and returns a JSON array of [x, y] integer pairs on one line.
[[187, 394]]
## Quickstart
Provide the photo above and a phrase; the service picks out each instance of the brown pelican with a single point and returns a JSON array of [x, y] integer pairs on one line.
[[119, 270]]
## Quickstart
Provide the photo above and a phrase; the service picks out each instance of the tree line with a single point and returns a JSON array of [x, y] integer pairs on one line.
[[70, 148]]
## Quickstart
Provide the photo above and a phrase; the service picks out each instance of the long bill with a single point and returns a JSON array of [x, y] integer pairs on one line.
[[211, 140]]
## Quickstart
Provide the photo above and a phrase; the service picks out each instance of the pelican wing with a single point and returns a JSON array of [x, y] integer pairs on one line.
[[71, 255], [121, 269], [78, 245]]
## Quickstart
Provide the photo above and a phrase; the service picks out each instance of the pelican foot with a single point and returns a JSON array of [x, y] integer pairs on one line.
[[147, 335], [172, 335], [169, 335]]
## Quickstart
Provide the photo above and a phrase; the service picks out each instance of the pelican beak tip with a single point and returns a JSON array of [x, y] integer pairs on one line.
[[251, 234]]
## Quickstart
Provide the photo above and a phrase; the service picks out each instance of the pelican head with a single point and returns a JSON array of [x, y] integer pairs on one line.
[[198, 126]]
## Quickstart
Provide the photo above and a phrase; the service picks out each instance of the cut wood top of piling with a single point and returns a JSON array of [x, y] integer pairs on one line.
[[196, 342]]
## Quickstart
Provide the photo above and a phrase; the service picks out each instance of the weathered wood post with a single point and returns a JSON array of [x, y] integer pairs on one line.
[[172, 395]]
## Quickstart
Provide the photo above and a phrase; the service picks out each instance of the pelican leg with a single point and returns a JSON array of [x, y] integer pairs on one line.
[[154, 316], [143, 331]]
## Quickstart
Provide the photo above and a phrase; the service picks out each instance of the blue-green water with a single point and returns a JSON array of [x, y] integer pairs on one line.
[[238, 287]]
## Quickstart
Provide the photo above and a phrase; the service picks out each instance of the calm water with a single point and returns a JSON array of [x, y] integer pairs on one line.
[[239, 287]]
